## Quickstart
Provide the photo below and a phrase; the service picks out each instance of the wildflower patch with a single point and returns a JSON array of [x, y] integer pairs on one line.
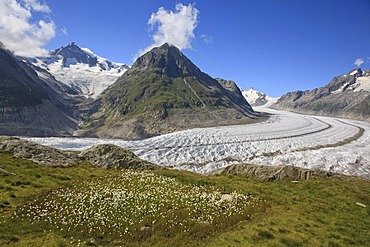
[[138, 204]]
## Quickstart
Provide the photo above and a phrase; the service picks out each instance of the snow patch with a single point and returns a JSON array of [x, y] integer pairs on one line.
[[362, 83]]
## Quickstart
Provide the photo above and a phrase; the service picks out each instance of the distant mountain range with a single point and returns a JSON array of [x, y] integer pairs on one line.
[[163, 92], [75, 92], [84, 72], [347, 95], [257, 98]]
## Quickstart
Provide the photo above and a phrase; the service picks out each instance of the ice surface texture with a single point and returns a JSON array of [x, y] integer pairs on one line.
[[337, 145]]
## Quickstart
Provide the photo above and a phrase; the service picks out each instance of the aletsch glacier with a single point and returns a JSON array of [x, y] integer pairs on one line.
[[330, 144]]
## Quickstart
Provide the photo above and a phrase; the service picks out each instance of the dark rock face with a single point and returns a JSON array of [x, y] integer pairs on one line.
[[17, 87], [341, 97], [159, 93], [73, 54], [233, 91], [28, 105]]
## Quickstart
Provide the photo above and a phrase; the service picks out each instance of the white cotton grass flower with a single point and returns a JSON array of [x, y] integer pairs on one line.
[[136, 200]]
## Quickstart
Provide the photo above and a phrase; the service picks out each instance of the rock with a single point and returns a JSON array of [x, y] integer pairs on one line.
[[270, 173], [105, 156], [2, 170], [39, 154], [361, 204], [111, 156], [226, 197]]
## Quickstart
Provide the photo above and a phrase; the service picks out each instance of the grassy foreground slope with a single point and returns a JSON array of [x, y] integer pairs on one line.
[[84, 205]]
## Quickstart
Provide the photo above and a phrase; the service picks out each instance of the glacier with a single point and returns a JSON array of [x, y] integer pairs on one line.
[[286, 138]]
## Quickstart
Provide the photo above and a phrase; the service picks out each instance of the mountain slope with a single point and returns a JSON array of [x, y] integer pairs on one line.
[[80, 69], [256, 98], [162, 92], [345, 96], [17, 88], [28, 106]]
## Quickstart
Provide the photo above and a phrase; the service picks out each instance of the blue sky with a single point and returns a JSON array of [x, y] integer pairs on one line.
[[275, 46]]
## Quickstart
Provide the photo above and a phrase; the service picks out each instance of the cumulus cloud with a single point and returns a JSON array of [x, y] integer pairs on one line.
[[359, 61], [18, 33], [173, 27]]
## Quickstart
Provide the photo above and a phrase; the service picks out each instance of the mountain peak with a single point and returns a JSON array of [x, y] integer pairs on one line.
[[170, 59], [81, 69], [163, 92], [257, 98], [72, 44], [73, 54]]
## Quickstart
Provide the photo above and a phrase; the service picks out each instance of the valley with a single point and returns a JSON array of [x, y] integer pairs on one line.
[[313, 142]]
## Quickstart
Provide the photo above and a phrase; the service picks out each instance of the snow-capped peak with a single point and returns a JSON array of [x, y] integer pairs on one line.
[[360, 83], [256, 98], [81, 69]]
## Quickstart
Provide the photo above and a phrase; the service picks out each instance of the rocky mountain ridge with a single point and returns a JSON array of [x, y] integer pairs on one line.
[[345, 96]]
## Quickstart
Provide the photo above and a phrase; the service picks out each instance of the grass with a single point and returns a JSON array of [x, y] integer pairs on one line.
[[87, 206]]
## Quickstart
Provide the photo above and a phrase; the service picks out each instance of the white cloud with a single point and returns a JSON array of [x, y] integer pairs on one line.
[[206, 38], [64, 30], [37, 6], [175, 28], [18, 33], [359, 61]]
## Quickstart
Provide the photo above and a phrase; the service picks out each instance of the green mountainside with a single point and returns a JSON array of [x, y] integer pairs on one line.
[[162, 92]]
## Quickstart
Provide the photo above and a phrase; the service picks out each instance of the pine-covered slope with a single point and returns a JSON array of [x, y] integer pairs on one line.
[[163, 92], [345, 96]]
